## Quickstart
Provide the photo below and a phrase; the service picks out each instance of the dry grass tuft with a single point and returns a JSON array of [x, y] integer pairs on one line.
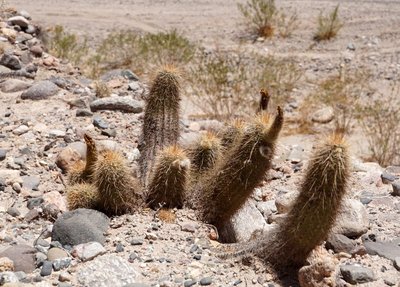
[[328, 26]]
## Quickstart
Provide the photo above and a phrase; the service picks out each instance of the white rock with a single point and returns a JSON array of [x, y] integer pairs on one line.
[[88, 251]]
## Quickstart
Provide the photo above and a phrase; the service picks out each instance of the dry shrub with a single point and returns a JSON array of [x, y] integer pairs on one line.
[[343, 92], [328, 25], [263, 17], [380, 120], [101, 89], [223, 83]]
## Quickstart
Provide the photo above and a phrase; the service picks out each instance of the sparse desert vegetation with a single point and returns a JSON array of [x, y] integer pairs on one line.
[[328, 25]]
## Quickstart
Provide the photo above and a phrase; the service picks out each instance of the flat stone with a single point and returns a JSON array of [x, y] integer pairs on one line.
[[99, 122], [56, 253], [105, 271], [205, 281], [40, 90], [13, 211], [388, 250], [31, 182], [10, 61], [352, 220], [23, 257], [88, 251], [388, 178], [19, 20], [340, 243], [57, 133], [10, 176], [355, 274], [80, 226], [123, 104], [14, 85], [323, 116]]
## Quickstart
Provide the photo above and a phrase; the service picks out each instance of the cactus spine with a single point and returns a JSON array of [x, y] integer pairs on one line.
[[224, 190], [315, 209], [80, 172], [168, 180], [161, 118], [231, 133], [118, 190], [82, 195]]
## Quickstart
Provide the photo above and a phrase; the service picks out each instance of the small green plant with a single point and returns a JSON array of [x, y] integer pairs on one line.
[[380, 120], [66, 45], [328, 26]]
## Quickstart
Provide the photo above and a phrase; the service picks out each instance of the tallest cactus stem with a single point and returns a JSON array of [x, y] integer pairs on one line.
[[315, 209], [161, 118]]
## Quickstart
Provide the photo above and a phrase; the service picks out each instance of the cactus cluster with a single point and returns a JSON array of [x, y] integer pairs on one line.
[[215, 176]]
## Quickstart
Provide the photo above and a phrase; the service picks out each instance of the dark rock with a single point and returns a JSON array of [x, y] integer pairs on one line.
[[119, 73], [119, 248], [389, 250], [40, 91], [13, 211], [340, 243], [19, 20], [109, 132], [83, 113], [388, 177], [3, 154], [396, 263], [355, 274], [61, 263], [189, 283], [34, 202], [80, 226], [123, 104], [10, 61], [137, 241], [395, 187], [36, 50], [23, 257], [205, 281], [47, 268], [99, 122], [31, 182]]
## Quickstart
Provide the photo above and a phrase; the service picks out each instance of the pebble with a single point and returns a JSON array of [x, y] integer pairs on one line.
[[14, 85], [34, 202], [56, 253], [88, 251], [10, 61], [119, 248], [352, 220], [16, 187], [31, 182], [13, 211], [137, 241], [355, 274], [387, 177], [205, 281], [340, 243], [151, 236], [64, 277], [21, 130], [62, 263], [323, 115], [109, 132], [99, 122], [189, 283], [123, 104], [47, 268], [83, 113], [57, 133]]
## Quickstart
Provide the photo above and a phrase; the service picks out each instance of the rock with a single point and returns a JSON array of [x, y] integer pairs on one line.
[[40, 90], [10, 176], [388, 178], [296, 154], [137, 241], [56, 253], [396, 263], [88, 251], [67, 157], [395, 187], [13, 211], [19, 20], [3, 154], [10, 279], [352, 220], [25, 14], [99, 122], [46, 269], [34, 202], [36, 50], [205, 281], [83, 113], [32, 215], [62, 263], [31, 182], [80, 226], [355, 274], [340, 243], [389, 250], [14, 85], [123, 104], [109, 132], [64, 277], [285, 200], [351, 47], [56, 199], [323, 116], [127, 74], [21, 130], [241, 230], [57, 133], [6, 264], [107, 270], [23, 257], [266, 207], [189, 283], [10, 61]]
